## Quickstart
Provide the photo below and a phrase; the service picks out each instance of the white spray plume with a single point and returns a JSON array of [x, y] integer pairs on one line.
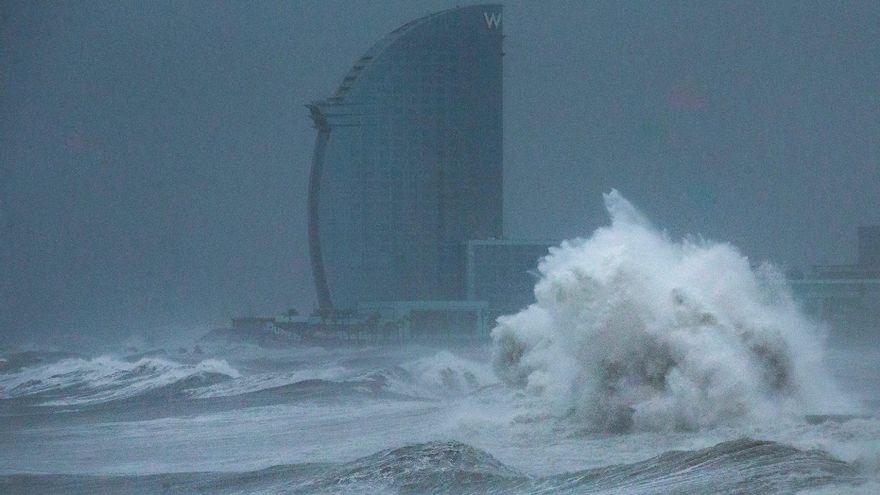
[[631, 330]]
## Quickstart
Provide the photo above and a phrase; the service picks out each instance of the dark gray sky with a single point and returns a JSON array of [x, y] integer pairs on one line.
[[154, 155]]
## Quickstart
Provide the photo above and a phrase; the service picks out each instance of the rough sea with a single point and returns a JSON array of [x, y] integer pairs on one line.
[[645, 365]]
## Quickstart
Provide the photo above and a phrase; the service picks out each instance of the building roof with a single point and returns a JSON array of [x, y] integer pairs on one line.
[[375, 51]]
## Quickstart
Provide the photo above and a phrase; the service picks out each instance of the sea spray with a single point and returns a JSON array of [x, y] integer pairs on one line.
[[442, 375], [632, 330]]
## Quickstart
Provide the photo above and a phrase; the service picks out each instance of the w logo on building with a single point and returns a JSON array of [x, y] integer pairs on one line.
[[493, 20]]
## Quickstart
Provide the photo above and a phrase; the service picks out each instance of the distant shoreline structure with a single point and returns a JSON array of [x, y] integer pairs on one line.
[[846, 296]]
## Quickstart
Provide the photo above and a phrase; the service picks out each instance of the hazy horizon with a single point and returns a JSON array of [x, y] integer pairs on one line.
[[154, 156]]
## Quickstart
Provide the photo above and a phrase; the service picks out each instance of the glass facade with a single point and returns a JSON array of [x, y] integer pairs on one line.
[[408, 162]]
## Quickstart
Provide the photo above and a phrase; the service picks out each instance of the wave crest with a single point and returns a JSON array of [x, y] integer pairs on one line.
[[740, 466], [439, 376], [633, 330], [80, 381]]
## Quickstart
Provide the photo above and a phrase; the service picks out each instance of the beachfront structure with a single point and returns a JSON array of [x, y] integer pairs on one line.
[[407, 163]]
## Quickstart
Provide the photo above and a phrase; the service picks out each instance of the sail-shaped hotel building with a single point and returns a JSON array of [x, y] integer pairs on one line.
[[407, 164]]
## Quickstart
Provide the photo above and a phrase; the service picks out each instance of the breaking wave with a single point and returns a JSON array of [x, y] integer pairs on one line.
[[632, 330], [78, 381], [247, 384], [740, 466], [81, 381], [439, 376]]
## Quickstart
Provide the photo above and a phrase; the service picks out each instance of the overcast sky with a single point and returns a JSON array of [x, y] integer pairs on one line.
[[154, 155]]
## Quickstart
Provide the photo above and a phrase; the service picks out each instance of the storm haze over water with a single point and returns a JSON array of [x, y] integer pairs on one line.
[[154, 157], [647, 365], [639, 327]]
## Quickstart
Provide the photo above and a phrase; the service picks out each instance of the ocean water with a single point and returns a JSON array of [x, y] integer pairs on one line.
[[645, 365]]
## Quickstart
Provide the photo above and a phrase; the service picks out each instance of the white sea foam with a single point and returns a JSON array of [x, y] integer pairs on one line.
[[438, 376], [265, 381], [633, 330], [102, 379]]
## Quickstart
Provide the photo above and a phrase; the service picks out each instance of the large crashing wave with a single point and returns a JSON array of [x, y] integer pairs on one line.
[[632, 330]]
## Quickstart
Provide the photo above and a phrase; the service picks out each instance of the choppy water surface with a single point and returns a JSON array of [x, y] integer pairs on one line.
[[646, 365], [403, 420]]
